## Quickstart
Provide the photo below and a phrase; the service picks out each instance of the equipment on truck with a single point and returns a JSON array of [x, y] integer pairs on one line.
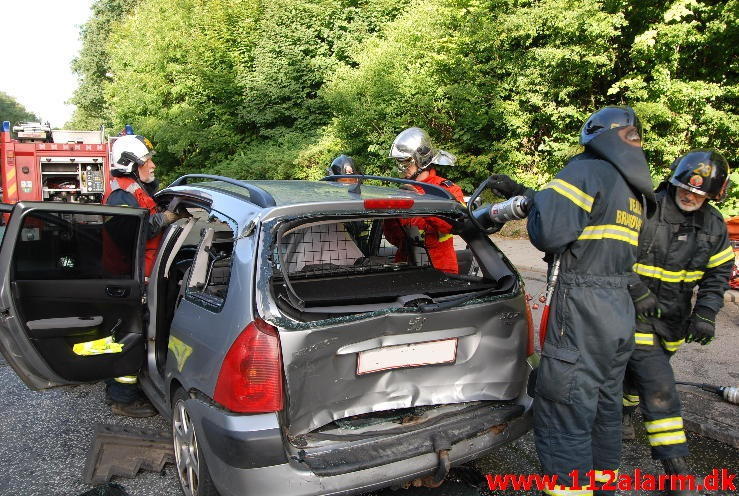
[[41, 164]]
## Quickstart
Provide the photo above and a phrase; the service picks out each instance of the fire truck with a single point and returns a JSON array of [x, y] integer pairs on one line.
[[41, 164]]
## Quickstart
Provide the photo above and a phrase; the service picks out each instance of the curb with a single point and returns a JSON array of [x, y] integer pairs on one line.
[[708, 415], [732, 296]]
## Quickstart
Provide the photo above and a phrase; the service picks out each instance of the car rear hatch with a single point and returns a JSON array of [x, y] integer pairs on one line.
[[363, 332]]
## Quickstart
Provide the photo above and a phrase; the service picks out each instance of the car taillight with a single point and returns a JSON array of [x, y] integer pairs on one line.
[[250, 380], [387, 203], [530, 322]]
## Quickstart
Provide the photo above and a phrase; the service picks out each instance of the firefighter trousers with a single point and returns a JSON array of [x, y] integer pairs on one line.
[[649, 378], [577, 407]]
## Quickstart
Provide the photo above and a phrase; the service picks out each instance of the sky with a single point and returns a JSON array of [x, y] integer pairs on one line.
[[40, 39]]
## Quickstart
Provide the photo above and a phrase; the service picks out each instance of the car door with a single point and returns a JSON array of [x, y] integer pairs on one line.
[[72, 292]]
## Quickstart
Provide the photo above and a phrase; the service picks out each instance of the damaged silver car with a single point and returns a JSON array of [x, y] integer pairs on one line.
[[297, 333]]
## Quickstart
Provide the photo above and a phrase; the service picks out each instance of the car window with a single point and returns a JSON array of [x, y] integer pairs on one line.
[[76, 246], [210, 272], [370, 261], [361, 245]]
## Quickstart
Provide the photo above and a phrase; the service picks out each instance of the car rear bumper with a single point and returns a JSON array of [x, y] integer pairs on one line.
[[245, 455]]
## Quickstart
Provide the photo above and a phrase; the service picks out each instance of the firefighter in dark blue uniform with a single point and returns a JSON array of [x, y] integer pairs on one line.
[[589, 216], [684, 245]]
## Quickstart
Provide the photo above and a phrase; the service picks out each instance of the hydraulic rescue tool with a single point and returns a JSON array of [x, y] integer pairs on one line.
[[551, 284], [728, 393], [490, 219]]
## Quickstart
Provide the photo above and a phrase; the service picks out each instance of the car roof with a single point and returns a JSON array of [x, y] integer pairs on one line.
[[293, 192]]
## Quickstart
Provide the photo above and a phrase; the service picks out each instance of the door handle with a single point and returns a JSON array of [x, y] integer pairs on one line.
[[116, 291]]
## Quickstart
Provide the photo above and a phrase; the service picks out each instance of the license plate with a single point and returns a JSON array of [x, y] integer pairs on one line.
[[407, 355]]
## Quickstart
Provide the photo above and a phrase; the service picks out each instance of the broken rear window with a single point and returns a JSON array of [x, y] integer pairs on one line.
[[370, 264]]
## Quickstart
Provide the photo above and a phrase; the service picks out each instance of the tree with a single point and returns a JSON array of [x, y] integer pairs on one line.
[[92, 64], [274, 90], [11, 110]]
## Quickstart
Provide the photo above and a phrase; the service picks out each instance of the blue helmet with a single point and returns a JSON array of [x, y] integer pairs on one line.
[[608, 118]]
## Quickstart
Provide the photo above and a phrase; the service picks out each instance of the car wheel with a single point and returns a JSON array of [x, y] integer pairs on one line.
[[191, 468]]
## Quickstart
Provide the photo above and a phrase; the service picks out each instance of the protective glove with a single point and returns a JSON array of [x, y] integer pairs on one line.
[[645, 303], [504, 186], [170, 217], [182, 212], [701, 326]]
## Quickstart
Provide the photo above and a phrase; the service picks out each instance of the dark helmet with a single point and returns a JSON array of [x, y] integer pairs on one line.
[[343, 164], [608, 118], [703, 172]]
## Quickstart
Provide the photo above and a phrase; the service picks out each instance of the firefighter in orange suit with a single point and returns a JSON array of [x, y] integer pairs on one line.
[[417, 160]]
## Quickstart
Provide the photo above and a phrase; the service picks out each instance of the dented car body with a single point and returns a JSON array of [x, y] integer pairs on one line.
[[300, 346]]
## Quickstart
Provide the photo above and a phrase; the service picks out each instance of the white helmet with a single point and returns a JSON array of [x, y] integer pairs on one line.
[[130, 150]]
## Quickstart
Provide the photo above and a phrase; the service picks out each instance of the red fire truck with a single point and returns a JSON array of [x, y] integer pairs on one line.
[[41, 164]]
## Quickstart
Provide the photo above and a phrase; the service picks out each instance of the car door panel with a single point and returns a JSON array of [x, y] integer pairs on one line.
[[67, 314]]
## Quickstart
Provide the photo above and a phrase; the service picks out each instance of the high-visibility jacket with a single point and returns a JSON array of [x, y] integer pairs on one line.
[[114, 258]]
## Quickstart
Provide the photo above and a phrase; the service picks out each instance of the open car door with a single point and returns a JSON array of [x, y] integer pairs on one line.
[[71, 300]]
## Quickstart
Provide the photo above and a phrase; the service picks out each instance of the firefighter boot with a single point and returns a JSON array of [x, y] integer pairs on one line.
[[139, 409], [627, 424], [675, 466]]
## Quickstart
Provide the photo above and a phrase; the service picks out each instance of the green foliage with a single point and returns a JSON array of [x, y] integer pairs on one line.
[[11, 110], [275, 90], [91, 66], [503, 84]]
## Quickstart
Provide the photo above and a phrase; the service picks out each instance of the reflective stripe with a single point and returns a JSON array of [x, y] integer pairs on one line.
[[566, 491], [126, 379], [97, 347], [666, 438], [644, 338], [444, 237], [667, 275], [611, 231], [131, 188], [665, 424], [572, 193], [600, 476], [720, 258], [672, 345], [630, 400]]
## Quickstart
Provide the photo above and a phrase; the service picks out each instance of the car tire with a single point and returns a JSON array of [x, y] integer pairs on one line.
[[192, 470]]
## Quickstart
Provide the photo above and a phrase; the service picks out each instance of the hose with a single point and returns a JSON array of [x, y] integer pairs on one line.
[[728, 393]]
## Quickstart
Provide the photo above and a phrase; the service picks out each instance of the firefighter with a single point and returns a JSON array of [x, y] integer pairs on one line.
[[684, 245], [341, 166], [133, 184], [589, 216], [360, 231], [417, 160]]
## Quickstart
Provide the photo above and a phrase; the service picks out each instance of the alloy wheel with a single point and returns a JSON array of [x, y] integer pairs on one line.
[[185, 450]]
